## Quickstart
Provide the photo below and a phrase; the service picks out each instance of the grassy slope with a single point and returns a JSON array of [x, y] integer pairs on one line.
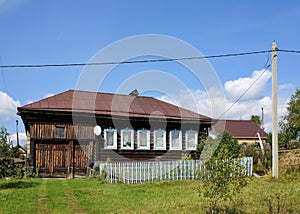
[[89, 196]]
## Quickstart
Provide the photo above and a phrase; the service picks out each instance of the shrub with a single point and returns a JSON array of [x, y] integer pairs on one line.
[[102, 175], [8, 168], [222, 178], [261, 160], [186, 157], [212, 147]]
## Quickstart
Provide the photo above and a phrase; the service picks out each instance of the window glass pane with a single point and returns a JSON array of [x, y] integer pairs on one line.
[[127, 139], [60, 132], [159, 139], [143, 138], [110, 138], [191, 139], [175, 139]]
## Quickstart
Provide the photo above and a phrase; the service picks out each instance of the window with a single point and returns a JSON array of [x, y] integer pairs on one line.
[[159, 139], [191, 140], [110, 139], [143, 137], [127, 139], [175, 140], [60, 132]]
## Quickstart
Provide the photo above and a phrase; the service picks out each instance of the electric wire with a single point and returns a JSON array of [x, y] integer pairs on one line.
[[289, 51], [146, 61], [135, 61], [267, 65]]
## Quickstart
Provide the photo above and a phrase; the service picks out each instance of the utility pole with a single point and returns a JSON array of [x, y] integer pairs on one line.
[[262, 123], [17, 131], [274, 113]]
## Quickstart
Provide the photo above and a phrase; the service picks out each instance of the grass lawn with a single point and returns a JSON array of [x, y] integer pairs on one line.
[[90, 196]]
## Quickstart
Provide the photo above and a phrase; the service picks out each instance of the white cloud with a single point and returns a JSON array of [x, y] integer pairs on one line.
[[199, 101], [235, 88], [286, 86], [48, 95], [189, 99], [28, 102], [22, 138], [8, 107], [210, 103]]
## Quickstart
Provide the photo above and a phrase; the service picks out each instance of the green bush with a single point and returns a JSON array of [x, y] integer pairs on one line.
[[213, 147], [102, 176], [261, 160], [8, 168], [186, 157], [222, 178]]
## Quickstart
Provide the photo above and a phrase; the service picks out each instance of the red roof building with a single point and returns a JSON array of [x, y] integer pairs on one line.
[[245, 131], [67, 130], [112, 104]]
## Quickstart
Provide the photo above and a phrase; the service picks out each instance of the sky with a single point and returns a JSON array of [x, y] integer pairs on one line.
[[58, 32]]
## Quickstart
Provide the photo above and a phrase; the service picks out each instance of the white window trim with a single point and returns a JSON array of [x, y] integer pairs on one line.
[[147, 147], [164, 139], [195, 142], [114, 146], [180, 140], [131, 147]]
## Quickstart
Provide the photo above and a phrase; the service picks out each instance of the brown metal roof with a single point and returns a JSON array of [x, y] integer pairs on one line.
[[240, 128], [112, 104]]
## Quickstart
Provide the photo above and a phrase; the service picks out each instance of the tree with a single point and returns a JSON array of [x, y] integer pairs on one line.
[[290, 124], [4, 146], [229, 144], [212, 147], [256, 119], [222, 178], [8, 168]]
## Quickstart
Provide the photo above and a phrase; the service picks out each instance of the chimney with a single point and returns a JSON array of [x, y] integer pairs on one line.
[[134, 93]]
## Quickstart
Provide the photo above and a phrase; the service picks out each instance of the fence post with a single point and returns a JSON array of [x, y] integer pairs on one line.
[[131, 172]]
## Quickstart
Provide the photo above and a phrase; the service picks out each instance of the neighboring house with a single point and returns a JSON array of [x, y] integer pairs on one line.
[[22, 152], [68, 130], [245, 131]]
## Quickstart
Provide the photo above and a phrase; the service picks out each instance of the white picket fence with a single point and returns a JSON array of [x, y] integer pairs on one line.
[[146, 171]]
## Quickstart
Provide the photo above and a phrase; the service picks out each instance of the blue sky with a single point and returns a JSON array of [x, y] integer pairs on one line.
[[53, 32]]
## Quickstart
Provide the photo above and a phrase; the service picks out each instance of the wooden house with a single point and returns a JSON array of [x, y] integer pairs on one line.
[[22, 151], [67, 130]]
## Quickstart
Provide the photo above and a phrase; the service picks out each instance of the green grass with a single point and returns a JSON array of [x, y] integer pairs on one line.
[[90, 196]]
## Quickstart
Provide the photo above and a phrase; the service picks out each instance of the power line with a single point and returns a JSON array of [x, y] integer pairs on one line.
[[289, 51], [267, 65], [145, 61], [134, 61], [243, 94]]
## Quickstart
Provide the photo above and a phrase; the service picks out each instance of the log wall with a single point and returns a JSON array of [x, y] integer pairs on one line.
[[48, 131], [54, 155]]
